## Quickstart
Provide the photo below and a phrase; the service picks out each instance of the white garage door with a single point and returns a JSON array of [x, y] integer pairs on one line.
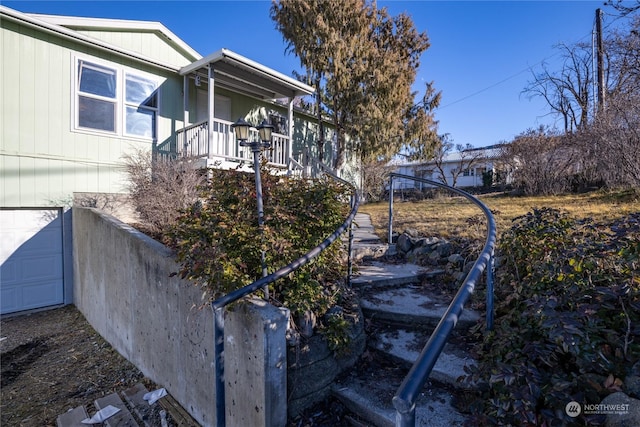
[[31, 273]]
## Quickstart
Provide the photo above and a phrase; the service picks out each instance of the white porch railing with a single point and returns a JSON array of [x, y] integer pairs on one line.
[[196, 141]]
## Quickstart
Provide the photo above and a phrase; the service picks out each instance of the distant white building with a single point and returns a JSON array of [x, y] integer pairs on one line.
[[470, 168]]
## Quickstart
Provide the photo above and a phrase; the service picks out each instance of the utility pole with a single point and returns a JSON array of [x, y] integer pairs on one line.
[[600, 60]]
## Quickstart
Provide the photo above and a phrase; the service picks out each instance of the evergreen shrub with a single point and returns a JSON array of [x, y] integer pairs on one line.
[[219, 244], [567, 325]]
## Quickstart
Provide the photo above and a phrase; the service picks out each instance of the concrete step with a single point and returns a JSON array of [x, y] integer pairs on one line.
[[403, 305], [363, 230], [404, 346], [366, 243], [361, 251], [371, 399], [410, 305], [379, 274]]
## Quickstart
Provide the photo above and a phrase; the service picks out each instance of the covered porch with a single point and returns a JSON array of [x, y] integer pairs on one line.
[[208, 134]]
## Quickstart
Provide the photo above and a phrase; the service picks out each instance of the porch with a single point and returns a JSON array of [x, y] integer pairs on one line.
[[219, 147], [254, 91]]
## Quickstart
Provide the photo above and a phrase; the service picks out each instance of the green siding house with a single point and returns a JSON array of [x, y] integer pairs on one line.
[[78, 94]]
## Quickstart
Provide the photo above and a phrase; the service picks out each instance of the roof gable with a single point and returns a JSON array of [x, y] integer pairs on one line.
[[143, 37]]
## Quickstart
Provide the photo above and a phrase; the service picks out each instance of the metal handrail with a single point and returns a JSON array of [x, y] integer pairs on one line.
[[405, 398], [219, 304]]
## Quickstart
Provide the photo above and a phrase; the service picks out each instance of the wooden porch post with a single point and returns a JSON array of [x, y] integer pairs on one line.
[[290, 130], [185, 106], [211, 107], [185, 99]]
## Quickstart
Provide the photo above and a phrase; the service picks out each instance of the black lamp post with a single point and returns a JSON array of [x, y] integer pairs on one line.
[[241, 128]]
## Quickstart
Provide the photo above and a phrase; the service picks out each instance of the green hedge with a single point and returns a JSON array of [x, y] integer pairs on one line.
[[219, 245]]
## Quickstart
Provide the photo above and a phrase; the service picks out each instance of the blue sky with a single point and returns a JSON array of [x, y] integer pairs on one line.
[[481, 52]]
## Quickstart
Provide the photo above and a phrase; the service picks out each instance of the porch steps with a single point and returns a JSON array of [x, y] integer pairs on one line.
[[401, 311]]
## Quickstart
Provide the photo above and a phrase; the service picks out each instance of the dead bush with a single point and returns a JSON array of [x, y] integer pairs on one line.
[[160, 189]]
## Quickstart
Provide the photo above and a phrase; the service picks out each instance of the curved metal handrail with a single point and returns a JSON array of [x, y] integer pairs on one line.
[[219, 304], [405, 398]]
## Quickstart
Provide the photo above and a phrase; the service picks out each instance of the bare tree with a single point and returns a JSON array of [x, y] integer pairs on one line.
[[543, 162], [625, 7], [465, 158], [610, 145], [569, 90], [375, 175]]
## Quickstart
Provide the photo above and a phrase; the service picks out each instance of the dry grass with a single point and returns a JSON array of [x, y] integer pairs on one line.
[[455, 216]]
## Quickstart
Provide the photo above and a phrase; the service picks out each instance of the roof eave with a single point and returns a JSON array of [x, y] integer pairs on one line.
[[295, 87]]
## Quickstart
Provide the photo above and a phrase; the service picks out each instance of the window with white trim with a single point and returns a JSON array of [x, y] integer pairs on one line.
[[115, 100], [141, 106], [97, 100]]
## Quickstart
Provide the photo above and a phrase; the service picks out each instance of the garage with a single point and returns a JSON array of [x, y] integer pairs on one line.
[[31, 259]]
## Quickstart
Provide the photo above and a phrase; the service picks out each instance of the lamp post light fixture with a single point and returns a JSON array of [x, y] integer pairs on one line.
[[242, 128]]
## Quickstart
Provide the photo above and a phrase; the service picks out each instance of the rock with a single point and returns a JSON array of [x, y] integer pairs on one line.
[[313, 366], [467, 267], [632, 385], [411, 232], [456, 259], [444, 249], [430, 241], [391, 251], [306, 323], [625, 410], [404, 244], [434, 257], [416, 254], [425, 241]]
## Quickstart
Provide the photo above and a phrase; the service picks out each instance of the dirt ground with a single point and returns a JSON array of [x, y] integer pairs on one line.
[[53, 360]]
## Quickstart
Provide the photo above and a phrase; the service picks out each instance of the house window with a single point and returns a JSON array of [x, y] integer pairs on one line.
[[279, 124], [467, 172], [97, 102], [115, 100], [141, 100]]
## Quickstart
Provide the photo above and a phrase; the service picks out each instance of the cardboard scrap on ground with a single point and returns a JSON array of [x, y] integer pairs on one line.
[[102, 415]]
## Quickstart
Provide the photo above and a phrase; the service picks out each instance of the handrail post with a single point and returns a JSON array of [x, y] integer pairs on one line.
[[350, 249], [218, 351], [390, 210], [490, 273], [406, 419]]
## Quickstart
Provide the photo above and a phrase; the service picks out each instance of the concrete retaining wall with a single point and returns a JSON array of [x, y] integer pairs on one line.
[[121, 285], [123, 288]]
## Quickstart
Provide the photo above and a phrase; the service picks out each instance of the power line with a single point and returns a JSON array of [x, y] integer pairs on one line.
[[464, 98]]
